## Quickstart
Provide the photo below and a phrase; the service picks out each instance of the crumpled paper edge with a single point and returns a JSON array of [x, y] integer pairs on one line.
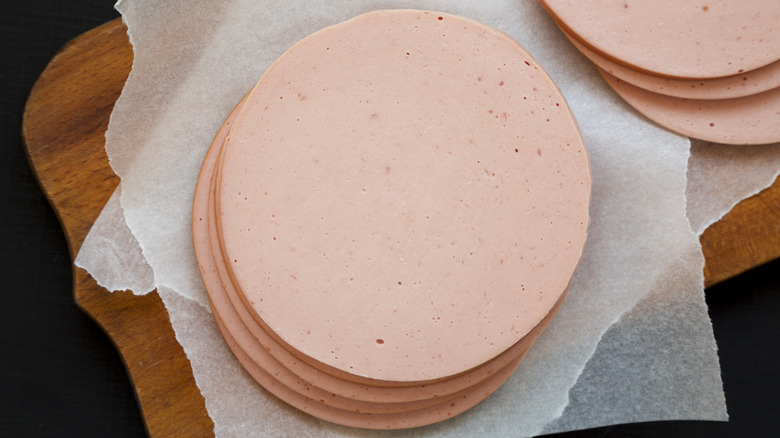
[[721, 176], [117, 269]]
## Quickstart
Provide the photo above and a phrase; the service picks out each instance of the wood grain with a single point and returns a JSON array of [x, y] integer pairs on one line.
[[64, 124], [746, 237]]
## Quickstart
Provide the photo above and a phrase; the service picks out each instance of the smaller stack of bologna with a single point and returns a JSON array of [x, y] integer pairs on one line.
[[391, 217], [705, 69]]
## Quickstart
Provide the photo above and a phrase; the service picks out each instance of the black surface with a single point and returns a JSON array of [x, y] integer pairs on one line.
[[60, 375]]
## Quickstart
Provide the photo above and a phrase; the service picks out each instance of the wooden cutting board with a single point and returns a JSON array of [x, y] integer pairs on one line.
[[65, 120]]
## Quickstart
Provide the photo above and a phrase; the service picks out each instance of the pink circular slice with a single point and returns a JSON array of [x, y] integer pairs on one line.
[[746, 120], [404, 196], [677, 38], [730, 87]]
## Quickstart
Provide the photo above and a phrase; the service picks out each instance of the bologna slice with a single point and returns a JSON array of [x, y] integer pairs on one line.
[[676, 38], [753, 82], [391, 217], [753, 119], [429, 191], [404, 196]]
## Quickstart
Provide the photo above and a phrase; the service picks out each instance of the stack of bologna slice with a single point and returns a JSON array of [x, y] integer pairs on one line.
[[391, 217], [705, 69]]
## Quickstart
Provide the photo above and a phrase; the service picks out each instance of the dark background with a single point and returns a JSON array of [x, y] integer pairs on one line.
[[61, 376]]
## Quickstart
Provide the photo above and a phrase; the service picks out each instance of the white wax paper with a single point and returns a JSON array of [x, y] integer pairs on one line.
[[110, 252], [640, 281], [719, 176]]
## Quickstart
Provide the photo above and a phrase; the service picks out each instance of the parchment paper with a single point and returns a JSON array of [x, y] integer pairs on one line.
[[719, 176], [111, 254], [639, 286]]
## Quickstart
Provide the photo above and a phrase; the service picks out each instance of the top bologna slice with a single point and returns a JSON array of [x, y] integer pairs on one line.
[[404, 196], [677, 38]]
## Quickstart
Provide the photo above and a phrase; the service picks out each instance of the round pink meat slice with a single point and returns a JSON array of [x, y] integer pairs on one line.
[[676, 38], [730, 87], [753, 119], [404, 196]]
